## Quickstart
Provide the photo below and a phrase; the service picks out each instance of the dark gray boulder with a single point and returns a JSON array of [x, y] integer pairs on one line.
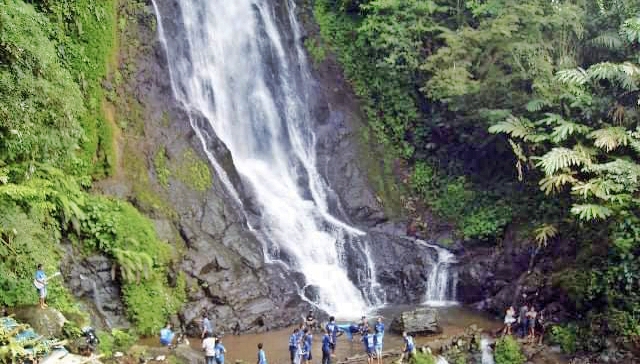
[[421, 321]]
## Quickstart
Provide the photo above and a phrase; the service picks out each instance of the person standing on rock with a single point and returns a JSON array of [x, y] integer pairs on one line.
[[207, 326], [369, 341], [332, 328], [522, 320], [532, 315], [379, 337], [209, 348], [262, 357], [509, 319], [306, 346], [220, 351], [409, 350], [326, 348], [293, 344], [40, 282]]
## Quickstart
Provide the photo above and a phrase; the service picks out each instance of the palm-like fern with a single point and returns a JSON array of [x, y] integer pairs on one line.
[[590, 212], [560, 158], [133, 264], [630, 30], [520, 128], [610, 138], [556, 182], [545, 233]]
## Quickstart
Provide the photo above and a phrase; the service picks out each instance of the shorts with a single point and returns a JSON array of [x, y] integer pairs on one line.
[[378, 350], [165, 342], [371, 352], [42, 292], [292, 351]]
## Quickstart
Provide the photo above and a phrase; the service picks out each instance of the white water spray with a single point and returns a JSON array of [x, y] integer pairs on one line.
[[487, 353], [230, 65]]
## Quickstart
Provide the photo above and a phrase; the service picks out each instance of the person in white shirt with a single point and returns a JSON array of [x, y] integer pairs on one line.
[[209, 348]]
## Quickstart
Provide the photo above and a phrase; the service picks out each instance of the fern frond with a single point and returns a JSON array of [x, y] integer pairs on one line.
[[630, 30], [610, 40], [563, 128], [514, 127], [574, 76], [598, 187], [560, 158], [556, 182], [610, 138], [537, 105], [588, 212], [545, 233]]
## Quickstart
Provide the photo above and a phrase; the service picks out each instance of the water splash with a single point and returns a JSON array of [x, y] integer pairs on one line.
[[487, 353], [228, 63]]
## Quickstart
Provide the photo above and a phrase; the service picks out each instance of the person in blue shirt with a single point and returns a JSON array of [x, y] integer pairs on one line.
[[409, 349], [41, 285], [207, 326], [326, 348], [379, 328], [220, 351], [166, 335], [369, 345], [262, 357], [306, 347], [332, 328], [293, 339]]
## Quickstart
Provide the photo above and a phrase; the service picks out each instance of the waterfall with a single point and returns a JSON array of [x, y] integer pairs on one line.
[[96, 299], [229, 62], [442, 280], [487, 353]]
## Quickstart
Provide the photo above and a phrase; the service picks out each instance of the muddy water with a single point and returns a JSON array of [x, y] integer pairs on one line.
[[244, 347]]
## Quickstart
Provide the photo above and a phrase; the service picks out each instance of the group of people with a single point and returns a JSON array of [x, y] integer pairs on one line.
[[528, 322], [301, 340]]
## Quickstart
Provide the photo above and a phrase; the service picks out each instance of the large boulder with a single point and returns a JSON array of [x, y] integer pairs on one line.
[[421, 321], [47, 322]]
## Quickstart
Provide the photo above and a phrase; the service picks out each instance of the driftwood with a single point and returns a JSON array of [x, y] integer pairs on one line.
[[361, 358]]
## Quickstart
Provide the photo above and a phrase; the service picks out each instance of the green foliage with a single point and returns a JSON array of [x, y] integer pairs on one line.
[[160, 164], [565, 336], [478, 217], [106, 344], [123, 339], [423, 358], [316, 49], [508, 351], [194, 172], [71, 330]]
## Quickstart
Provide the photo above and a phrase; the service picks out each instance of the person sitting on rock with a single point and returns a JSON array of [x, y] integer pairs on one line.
[[509, 319], [166, 336], [311, 321], [409, 349]]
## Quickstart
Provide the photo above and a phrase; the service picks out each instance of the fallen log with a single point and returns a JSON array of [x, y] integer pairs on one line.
[[360, 358]]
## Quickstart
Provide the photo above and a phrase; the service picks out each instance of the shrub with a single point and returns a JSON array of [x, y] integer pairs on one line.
[[423, 358], [565, 336], [508, 351]]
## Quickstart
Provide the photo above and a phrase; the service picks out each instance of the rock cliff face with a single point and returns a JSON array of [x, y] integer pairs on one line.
[[223, 261]]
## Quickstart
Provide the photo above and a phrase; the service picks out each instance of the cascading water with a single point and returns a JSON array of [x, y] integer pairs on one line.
[[228, 63], [487, 353], [442, 280]]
